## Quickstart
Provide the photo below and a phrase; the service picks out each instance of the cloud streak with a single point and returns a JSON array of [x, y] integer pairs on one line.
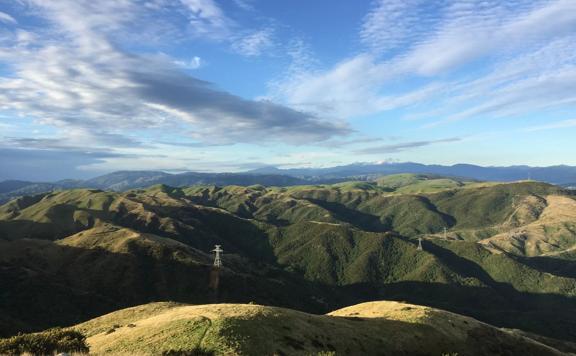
[[405, 146], [47, 165], [6, 18], [555, 125]]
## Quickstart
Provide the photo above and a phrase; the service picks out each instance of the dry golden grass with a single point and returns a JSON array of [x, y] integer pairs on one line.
[[244, 329], [551, 231]]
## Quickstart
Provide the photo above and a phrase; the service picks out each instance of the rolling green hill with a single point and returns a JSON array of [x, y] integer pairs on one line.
[[507, 256], [237, 329]]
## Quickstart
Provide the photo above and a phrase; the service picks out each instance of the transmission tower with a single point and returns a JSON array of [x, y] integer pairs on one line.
[[217, 259], [419, 244], [445, 234]]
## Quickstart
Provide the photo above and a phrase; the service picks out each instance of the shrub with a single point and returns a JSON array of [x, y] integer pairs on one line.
[[45, 343], [110, 331]]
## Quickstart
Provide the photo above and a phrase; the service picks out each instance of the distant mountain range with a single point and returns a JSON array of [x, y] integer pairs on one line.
[[554, 174], [273, 176], [126, 180]]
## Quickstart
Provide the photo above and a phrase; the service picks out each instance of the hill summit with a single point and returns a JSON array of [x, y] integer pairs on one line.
[[374, 328]]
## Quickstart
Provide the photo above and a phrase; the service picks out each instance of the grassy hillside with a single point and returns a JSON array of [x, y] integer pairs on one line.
[[237, 329], [508, 255], [45, 284]]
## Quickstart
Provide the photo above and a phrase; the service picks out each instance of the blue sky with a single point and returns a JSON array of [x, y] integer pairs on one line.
[[88, 87]]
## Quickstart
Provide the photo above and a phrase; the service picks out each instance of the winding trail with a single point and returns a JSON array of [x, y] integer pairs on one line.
[[205, 331]]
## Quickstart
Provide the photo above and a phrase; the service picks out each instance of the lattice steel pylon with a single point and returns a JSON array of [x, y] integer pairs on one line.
[[217, 259], [419, 244]]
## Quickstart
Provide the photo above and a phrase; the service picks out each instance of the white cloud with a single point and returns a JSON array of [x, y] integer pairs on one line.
[[404, 146], [302, 63], [4, 17], [346, 90], [392, 23], [508, 44], [244, 4], [555, 125], [194, 63], [254, 44], [85, 17], [87, 83], [209, 22], [474, 30], [545, 91], [537, 80], [207, 19]]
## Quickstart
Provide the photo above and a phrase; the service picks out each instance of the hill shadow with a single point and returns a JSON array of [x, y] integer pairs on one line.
[[556, 266], [193, 226], [364, 221], [44, 285], [57, 285], [19, 229], [239, 235], [61, 285], [468, 268], [551, 315], [497, 303]]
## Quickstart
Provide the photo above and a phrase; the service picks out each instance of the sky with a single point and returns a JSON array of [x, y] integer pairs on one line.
[[89, 87]]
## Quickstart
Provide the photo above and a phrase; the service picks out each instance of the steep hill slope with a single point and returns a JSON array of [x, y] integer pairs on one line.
[[237, 329], [45, 284], [540, 228]]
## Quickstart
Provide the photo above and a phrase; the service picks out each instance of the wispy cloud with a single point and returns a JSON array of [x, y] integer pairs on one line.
[[255, 43], [74, 139], [555, 125], [540, 80], [395, 148], [88, 83], [207, 19], [415, 42], [472, 30], [390, 24], [194, 63], [351, 142], [6, 18]]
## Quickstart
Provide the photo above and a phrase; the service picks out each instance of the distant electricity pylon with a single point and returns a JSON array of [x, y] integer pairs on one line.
[[215, 272], [217, 259], [419, 244], [445, 234]]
